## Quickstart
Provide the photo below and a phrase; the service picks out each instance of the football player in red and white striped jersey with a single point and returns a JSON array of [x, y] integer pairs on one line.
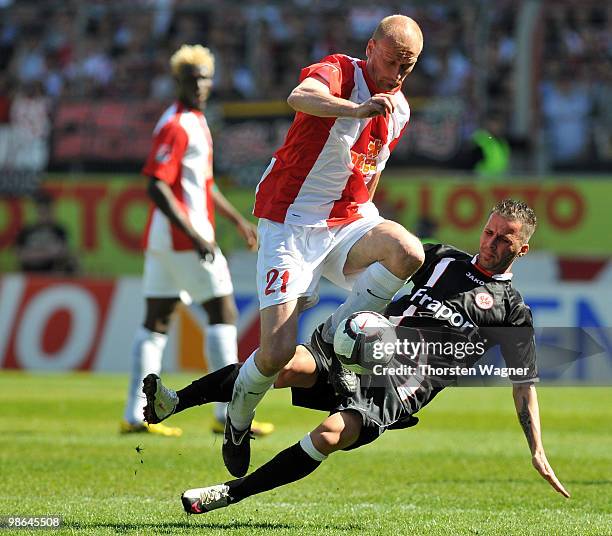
[[316, 212], [182, 260]]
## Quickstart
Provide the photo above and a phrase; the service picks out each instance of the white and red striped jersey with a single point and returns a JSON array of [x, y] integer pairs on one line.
[[321, 173], [181, 156]]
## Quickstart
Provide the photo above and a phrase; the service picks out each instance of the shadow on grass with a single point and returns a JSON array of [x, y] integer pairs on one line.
[[171, 526]]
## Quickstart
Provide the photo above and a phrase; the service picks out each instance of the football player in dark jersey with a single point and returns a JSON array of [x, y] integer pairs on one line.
[[470, 294]]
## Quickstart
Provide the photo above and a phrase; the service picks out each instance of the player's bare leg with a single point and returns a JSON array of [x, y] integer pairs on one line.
[[386, 256], [301, 371], [259, 372], [336, 432], [147, 351]]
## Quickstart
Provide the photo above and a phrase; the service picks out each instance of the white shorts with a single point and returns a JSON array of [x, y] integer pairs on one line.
[[292, 258], [180, 274]]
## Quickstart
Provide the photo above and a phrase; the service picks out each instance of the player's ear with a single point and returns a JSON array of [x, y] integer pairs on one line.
[[524, 250], [370, 48]]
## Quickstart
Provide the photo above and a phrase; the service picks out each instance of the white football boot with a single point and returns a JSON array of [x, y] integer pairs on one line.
[[201, 500]]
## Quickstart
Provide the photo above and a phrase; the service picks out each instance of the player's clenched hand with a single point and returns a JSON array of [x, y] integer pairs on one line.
[[249, 233], [379, 104], [204, 248], [542, 466]]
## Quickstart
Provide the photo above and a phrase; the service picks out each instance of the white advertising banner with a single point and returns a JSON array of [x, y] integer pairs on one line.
[[64, 324]]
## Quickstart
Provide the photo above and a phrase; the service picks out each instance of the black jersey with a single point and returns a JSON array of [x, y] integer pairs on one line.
[[487, 309], [451, 301]]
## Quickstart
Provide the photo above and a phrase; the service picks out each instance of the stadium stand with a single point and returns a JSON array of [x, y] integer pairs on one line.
[[103, 50]]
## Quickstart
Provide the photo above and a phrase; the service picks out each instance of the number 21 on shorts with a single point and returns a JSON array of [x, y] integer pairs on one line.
[[271, 278]]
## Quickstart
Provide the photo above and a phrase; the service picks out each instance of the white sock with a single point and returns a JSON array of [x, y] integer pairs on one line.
[[250, 387], [147, 354], [221, 350], [372, 291], [309, 448]]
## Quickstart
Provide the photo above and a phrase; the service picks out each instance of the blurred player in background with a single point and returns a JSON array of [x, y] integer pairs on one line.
[[451, 287], [316, 213], [42, 247], [182, 260]]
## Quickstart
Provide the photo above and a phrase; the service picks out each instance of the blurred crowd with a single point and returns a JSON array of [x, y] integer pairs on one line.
[[576, 83], [71, 49], [76, 49]]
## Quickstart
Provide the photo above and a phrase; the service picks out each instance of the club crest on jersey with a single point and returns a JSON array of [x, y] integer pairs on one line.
[[484, 300], [366, 163], [163, 153]]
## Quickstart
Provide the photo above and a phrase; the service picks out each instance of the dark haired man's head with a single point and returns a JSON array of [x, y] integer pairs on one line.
[[506, 235]]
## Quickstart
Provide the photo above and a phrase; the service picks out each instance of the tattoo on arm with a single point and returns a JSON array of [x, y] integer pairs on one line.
[[525, 420]]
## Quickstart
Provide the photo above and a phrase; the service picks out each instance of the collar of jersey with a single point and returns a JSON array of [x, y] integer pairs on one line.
[[498, 277], [180, 107], [371, 85]]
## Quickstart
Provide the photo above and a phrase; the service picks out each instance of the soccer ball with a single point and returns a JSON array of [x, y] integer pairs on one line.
[[361, 341]]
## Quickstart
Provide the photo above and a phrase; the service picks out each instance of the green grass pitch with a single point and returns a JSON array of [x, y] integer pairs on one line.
[[465, 469]]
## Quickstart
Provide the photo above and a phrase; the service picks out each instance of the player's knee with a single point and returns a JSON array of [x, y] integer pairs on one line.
[[337, 433], [406, 255], [288, 377], [158, 322], [326, 442], [301, 371]]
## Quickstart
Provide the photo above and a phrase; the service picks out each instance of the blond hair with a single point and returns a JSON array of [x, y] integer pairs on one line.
[[192, 55], [514, 210]]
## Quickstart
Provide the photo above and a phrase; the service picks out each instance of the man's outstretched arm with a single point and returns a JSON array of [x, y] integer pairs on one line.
[[526, 403]]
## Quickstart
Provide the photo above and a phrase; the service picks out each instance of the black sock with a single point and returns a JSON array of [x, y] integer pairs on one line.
[[287, 466], [214, 387]]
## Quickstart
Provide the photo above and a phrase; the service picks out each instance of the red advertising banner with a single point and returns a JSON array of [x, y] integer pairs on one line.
[[106, 132], [53, 324]]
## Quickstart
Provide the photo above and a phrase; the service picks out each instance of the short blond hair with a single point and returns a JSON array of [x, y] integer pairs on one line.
[[196, 55]]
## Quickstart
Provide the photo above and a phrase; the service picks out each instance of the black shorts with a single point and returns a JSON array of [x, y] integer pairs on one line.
[[379, 406]]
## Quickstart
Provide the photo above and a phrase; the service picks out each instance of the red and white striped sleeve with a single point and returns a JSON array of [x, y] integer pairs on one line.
[[166, 155]]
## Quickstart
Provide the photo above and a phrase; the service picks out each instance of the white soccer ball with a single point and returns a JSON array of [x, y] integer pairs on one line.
[[364, 340]]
